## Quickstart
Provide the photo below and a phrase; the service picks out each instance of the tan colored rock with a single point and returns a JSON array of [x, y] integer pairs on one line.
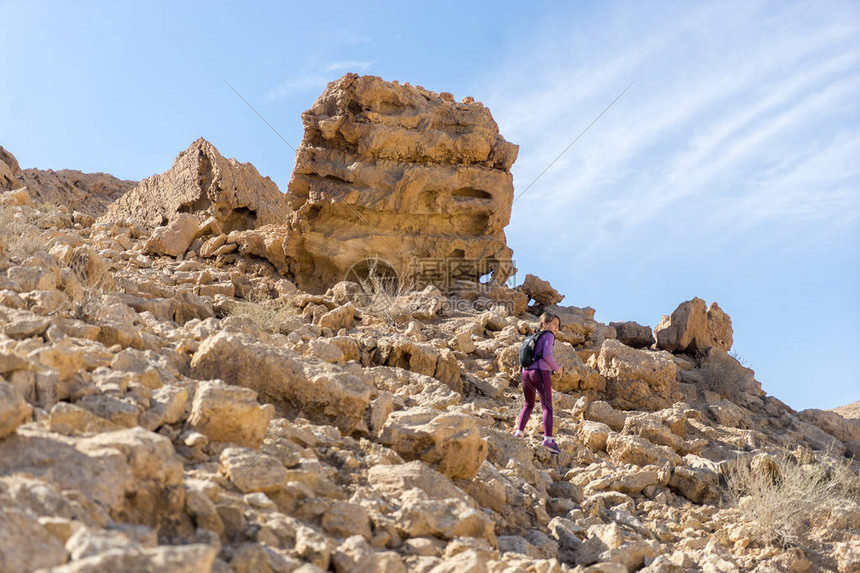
[[651, 427], [267, 242], [251, 471], [638, 378], [156, 475], [70, 419], [420, 516], [395, 479], [413, 388], [421, 357], [337, 318], [25, 545], [202, 181], [600, 411], [345, 519], [322, 391], [638, 451], [354, 554], [14, 410], [391, 171], [575, 376], [540, 291], [594, 434], [693, 328], [174, 238], [698, 480], [229, 414], [450, 442]]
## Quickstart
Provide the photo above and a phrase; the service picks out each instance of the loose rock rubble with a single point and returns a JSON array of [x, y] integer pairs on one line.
[[192, 409]]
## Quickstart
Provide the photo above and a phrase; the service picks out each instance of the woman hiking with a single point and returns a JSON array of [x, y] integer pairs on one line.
[[536, 378]]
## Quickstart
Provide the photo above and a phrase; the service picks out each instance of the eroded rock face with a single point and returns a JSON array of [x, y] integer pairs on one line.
[[9, 171], [202, 181], [395, 172], [89, 193]]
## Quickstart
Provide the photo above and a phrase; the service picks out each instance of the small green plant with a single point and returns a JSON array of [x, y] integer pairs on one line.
[[782, 492]]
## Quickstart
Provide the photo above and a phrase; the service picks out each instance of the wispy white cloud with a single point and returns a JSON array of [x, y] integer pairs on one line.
[[733, 112], [349, 65], [314, 79]]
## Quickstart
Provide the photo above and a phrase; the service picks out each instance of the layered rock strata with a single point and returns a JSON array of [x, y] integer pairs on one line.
[[404, 176]]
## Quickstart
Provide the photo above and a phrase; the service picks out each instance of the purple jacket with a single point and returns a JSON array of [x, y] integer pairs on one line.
[[543, 348]]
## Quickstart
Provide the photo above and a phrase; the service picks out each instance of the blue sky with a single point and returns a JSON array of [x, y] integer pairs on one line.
[[730, 170]]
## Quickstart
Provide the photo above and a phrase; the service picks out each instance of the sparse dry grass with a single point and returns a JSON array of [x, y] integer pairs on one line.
[[783, 492]]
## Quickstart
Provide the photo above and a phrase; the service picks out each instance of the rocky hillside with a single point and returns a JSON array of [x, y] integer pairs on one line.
[[171, 401]]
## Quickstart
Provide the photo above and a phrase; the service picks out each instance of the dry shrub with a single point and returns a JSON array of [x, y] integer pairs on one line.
[[20, 236], [380, 287], [271, 314], [784, 491]]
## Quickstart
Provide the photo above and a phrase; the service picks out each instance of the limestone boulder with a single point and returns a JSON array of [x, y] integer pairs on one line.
[[402, 177], [633, 334], [201, 181], [693, 327], [174, 238], [227, 413], [321, 391], [576, 376], [638, 451], [421, 357], [155, 495], [251, 471], [540, 291], [413, 388], [421, 516], [394, 479], [266, 242], [638, 378], [451, 443]]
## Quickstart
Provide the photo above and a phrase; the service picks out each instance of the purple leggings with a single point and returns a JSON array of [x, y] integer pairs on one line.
[[537, 380]]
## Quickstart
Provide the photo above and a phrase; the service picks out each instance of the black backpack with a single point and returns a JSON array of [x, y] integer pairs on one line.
[[527, 350]]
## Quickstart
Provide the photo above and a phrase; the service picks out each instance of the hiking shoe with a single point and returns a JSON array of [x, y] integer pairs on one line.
[[550, 444], [518, 433]]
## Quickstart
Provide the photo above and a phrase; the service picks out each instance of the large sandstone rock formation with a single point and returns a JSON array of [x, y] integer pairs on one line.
[[396, 172], [202, 181]]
